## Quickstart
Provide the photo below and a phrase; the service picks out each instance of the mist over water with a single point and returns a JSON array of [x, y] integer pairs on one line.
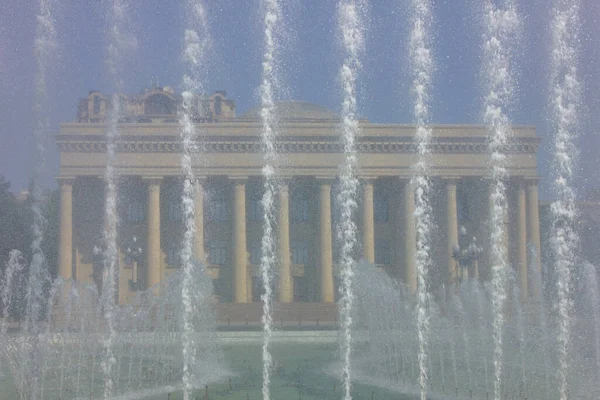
[[564, 109], [422, 64], [196, 42], [351, 25], [500, 24], [271, 20]]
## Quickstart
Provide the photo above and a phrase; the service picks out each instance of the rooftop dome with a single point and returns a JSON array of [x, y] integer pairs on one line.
[[296, 110]]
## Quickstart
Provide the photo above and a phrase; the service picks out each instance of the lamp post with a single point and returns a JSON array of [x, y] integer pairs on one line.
[[134, 253], [466, 256]]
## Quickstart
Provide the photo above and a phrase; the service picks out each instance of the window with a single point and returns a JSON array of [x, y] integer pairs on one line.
[[218, 106], [255, 213], [173, 256], [381, 208], [160, 104], [96, 105], [382, 252], [217, 208], [299, 209], [300, 253], [135, 212], [174, 211], [217, 252], [255, 253]]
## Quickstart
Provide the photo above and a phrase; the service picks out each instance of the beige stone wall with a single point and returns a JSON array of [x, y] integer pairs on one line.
[[149, 153]]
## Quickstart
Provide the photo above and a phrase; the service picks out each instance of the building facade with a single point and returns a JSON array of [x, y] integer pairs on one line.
[[229, 228]]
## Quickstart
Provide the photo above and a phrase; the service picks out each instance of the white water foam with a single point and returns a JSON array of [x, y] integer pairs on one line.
[[422, 64], [564, 103], [501, 24], [351, 25]]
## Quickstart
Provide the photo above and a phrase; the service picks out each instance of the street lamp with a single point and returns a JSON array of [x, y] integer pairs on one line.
[[466, 256], [134, 253]]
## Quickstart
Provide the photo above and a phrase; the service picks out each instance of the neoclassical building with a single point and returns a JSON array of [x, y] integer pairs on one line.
[[229, 180]]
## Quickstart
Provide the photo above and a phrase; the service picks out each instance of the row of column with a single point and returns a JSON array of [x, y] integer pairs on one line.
[[527, 232]]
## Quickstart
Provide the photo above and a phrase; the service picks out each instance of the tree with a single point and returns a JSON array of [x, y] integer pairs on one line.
[[16, 221], [12, 229]]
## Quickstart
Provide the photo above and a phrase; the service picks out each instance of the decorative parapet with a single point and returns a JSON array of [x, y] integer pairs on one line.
[[170, 144]]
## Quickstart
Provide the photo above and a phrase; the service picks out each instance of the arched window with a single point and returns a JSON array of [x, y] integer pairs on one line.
[[160, 104], [96, 105], [218, 106]]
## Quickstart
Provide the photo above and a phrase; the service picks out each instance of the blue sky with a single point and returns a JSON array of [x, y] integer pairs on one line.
[[309, 65]]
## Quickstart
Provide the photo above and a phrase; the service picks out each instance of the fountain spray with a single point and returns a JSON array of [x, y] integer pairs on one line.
[[14, 266], [593, 299], [196, 45], [45, 50], [422, 64], [501, 24], [351, 25], [120, 41], [272, 15], [564, 103]]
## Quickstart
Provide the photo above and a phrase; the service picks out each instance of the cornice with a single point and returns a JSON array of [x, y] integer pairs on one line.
[[246, 144]]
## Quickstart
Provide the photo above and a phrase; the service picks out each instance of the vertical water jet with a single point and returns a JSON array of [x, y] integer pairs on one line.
[[422, 64], [351, 24], [501, 24], [45, 48], [271, 19], [196, 42], [120, 41], [564, 108]]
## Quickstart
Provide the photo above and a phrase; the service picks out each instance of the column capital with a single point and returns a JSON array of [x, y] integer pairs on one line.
[[451, 180], [520, 182], [532, 180], [284, 186], [367, 179], [152, 180], [65, 180], [325, 180], [238, 180]]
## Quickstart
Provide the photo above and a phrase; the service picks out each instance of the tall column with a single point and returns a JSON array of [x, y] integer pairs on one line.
[[153, 253], [65, 252], [452, 231], [368, 223], [533, 232], [410, 237], [327, 289], [286, 286], [240, 262], [522, 240], [199, 251]]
